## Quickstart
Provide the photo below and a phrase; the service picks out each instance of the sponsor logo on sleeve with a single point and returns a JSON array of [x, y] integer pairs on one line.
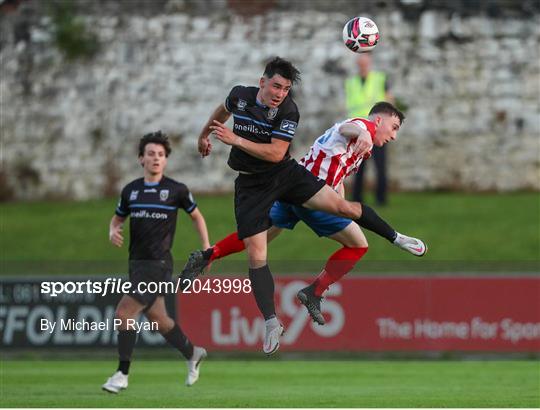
[[288, 126]]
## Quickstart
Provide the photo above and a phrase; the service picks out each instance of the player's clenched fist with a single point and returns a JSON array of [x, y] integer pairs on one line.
[[363, 146], [205, 146]]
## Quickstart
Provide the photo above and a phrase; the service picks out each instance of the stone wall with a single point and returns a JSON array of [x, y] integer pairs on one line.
[[70, 127]]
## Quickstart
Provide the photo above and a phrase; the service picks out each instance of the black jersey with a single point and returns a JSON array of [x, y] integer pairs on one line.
[[152, 208], [259, 123]]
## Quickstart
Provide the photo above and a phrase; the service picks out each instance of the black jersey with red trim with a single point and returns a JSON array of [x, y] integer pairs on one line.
[[152, 208], [259, 123]]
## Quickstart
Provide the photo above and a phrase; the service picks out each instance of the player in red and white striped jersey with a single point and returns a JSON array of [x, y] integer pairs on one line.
[[334, 155]]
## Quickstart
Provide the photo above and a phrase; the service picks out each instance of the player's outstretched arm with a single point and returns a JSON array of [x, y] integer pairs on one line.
[[115, 230], [199, 224], [204, 145]]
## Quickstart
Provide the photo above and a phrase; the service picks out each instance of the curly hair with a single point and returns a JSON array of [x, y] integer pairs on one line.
[[155, 138]]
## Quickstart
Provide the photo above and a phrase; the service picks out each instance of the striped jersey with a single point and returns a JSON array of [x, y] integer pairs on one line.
[[333, 157]]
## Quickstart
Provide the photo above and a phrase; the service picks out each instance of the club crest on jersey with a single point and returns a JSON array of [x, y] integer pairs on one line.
[[272, 112], [288, 126], [164, 194], [133, 195], [241, 104]]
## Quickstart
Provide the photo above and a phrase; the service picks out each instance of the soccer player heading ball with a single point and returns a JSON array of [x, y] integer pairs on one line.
[[265, 122], [332, 157]]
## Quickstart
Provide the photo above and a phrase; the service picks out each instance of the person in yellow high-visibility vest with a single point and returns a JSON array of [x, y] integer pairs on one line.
[[362, 91]]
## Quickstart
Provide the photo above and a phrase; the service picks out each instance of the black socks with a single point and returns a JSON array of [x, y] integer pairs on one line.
[[123, 366], [262, 284], [126, 343], [128, 338], [179, 340], [373, 222]]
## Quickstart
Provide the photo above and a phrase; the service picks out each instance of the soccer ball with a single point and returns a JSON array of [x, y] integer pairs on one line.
[[360, 34]]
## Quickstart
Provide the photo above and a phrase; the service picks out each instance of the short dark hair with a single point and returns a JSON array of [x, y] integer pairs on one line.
[[387, 108], [155, 138], [282, 67]]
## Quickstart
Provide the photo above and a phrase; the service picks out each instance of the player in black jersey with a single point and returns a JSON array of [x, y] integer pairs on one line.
[[151, 203], [265, 121]]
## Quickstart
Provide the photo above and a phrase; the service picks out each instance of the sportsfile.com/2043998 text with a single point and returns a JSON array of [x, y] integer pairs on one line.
[[120, 286]]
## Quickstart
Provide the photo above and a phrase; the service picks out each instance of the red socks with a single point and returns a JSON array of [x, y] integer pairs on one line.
[[341, 262], [229, 244]]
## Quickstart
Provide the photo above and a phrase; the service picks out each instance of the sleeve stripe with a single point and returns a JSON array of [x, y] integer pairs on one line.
[[283, 134], [170, 208], [120, 212], [191, 208]]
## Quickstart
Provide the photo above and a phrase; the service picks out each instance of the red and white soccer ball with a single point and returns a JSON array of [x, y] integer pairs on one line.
[[360, 34]]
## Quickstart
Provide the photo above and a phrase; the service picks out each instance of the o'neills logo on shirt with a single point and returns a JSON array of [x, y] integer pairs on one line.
[[143, 213], [250, 128]]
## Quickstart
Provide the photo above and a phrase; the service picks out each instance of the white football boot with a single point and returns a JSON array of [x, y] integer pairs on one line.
[[115, 383], [410, 244], [193, 364], [273, 331]]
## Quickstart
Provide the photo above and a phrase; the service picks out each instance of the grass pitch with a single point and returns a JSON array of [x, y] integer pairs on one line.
[[274, 383], [456, 226]]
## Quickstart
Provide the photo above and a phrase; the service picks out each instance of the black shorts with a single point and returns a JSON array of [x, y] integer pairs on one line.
[[146, 271], [254, 194]]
